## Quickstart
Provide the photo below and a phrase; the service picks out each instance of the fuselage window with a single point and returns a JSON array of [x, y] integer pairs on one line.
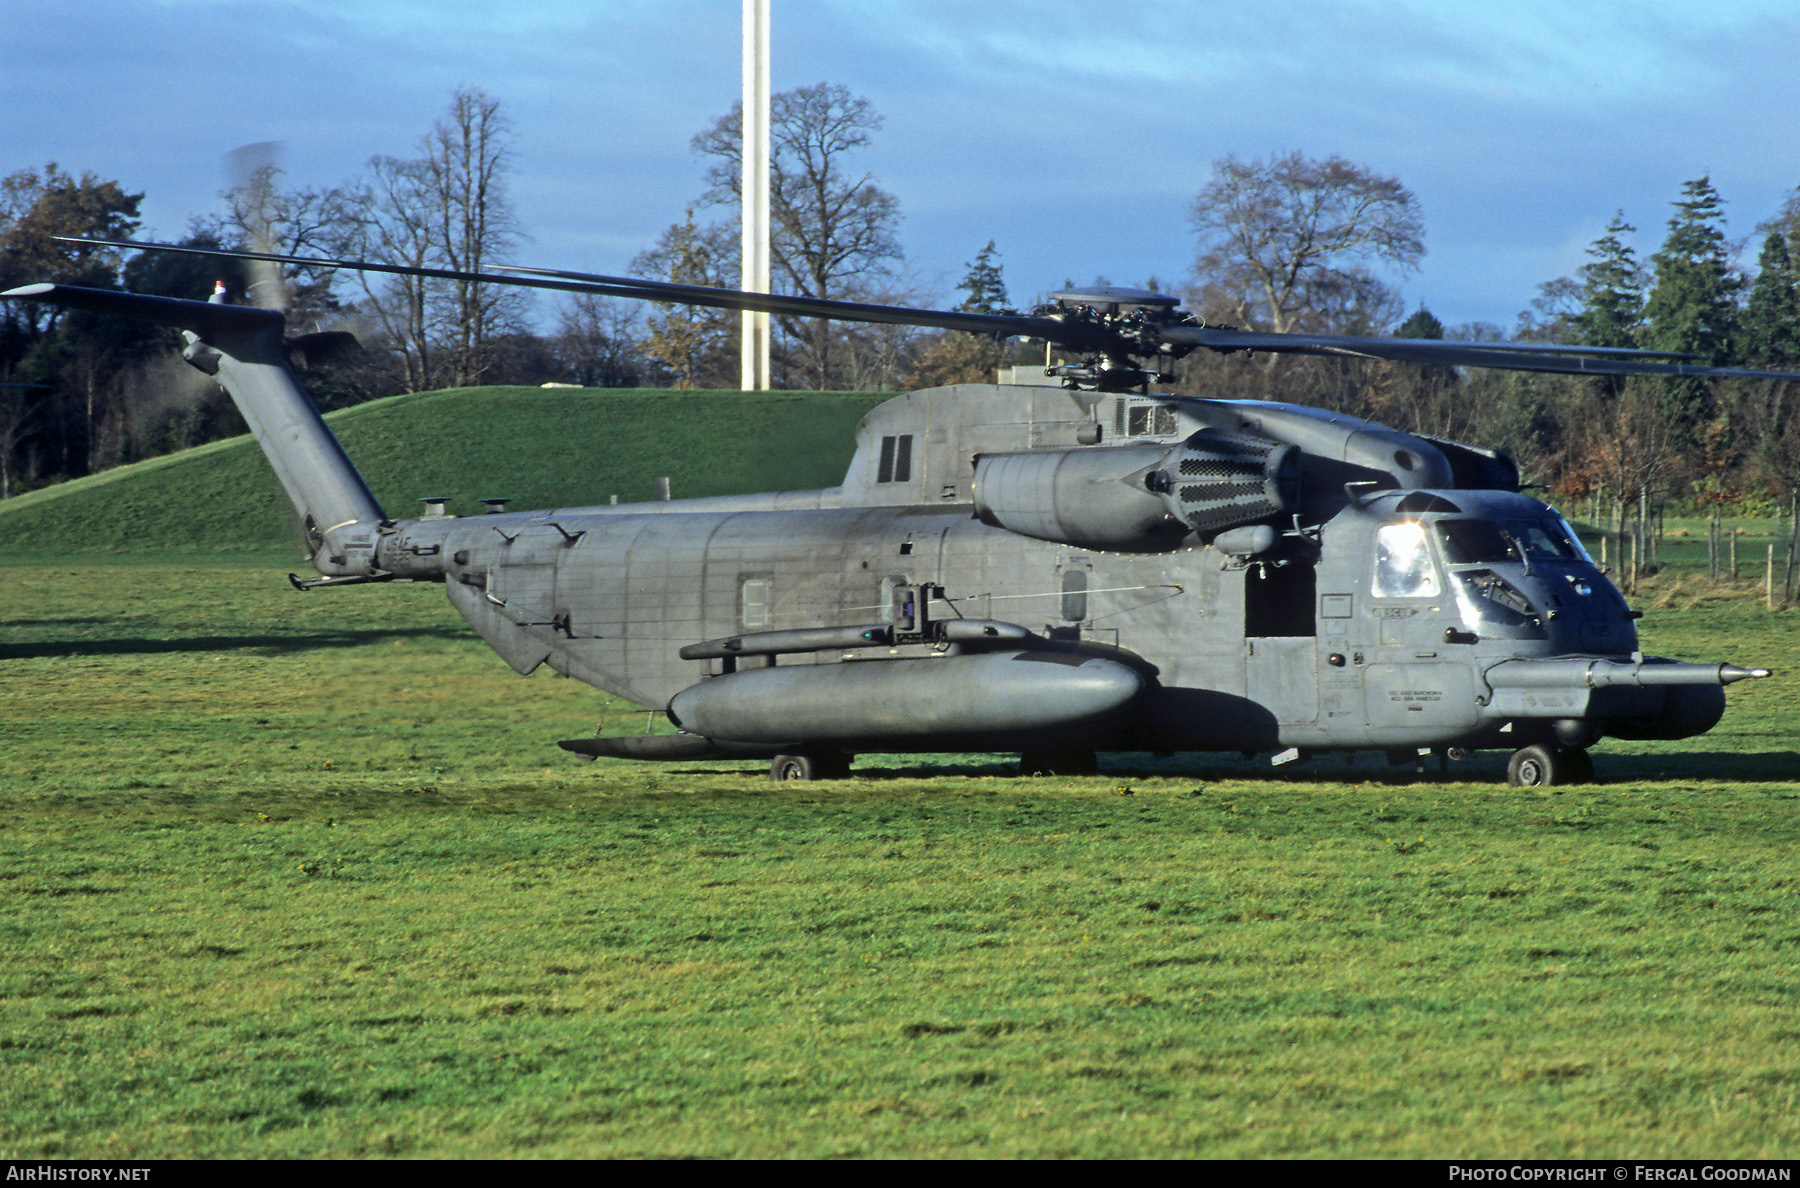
[[1403, 567], [1278, 600]]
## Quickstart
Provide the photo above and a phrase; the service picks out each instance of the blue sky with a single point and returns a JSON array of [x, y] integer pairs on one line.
[[1073, 134]]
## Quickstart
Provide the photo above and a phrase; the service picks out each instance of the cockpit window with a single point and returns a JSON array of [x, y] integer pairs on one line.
[[1403, 566], [1484, 542]]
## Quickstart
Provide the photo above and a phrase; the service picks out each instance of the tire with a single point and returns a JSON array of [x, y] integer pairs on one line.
[[807, 766], [1536, 766], [793, 767]]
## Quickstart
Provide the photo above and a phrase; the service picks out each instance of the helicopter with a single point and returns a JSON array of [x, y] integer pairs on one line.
[[1060, 566]]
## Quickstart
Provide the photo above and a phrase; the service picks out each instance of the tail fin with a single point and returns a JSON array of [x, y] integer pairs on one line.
[[240, 346]]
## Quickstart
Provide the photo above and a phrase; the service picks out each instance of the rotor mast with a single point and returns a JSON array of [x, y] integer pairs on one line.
[[754, 351]]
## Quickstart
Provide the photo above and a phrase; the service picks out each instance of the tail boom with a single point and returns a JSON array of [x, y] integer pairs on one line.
[[241, 346]]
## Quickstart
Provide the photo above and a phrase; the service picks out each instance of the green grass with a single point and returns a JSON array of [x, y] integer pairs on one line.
[[555, 447], [294, 875]]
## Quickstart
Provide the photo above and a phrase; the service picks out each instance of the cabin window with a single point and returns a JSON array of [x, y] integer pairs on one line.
[[1403, 566], [753, 603], [896, 459]]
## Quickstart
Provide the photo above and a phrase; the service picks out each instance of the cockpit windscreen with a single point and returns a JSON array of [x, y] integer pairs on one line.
[[1486, 542]]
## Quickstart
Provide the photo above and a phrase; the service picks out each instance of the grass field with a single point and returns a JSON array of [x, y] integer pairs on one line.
[[302, 875], [294, 875]]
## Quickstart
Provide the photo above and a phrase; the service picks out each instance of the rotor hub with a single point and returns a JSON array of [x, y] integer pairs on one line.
[[1112, 329]]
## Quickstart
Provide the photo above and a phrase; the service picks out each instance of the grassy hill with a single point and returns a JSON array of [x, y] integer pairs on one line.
[[540, 447]]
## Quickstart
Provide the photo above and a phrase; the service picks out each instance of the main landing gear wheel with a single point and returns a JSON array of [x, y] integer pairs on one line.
[[1058, 763], [810, 765], [1540, 766]]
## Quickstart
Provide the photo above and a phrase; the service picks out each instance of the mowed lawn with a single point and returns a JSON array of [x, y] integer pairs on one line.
[[304, 875]]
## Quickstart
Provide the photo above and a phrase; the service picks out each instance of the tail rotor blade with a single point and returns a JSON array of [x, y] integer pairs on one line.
[[254, 170]]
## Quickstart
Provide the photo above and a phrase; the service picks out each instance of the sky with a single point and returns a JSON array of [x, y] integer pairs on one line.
[[1073, 134]]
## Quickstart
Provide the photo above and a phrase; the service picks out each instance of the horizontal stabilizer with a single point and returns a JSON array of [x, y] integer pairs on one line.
[[202, 317]]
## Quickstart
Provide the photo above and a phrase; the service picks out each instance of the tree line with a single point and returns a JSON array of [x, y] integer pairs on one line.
[[1286, 243], [1293, 243]]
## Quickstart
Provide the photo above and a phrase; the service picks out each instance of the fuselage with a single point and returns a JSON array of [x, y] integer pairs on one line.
[[1372, 628]]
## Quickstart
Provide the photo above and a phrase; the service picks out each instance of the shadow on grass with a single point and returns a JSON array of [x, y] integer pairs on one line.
[[264, 645], [1711, 766]]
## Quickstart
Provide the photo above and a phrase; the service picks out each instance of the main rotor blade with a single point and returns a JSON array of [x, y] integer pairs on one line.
[[1564, 360], [1079, 332], [1004, 325], [1001, 325]]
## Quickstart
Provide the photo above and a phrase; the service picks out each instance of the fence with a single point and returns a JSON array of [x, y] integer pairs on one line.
[[1762, 551]]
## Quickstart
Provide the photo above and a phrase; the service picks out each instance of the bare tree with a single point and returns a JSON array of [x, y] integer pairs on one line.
[[597, 341], [1288, 244], [445, 208], [310, 221], [396, 227], [834, 230], [1285, 244], [467, 155]]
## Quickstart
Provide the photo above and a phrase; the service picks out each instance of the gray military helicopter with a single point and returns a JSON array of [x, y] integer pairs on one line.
[[1058, 568]]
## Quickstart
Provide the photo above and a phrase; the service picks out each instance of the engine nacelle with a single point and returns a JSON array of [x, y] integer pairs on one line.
[[1138, 498]]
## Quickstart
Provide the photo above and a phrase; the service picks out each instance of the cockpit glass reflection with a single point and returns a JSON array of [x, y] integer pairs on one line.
[[1403, 566]]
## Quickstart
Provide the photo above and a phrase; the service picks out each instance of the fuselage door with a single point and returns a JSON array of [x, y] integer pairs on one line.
[[1281, 667]]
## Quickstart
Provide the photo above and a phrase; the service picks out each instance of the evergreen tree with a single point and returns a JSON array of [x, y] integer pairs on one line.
[[1611, 315], [1612, 291], [1772, 339], [68, 420], [983, 285], [1786, 224], [1772, 317], [1419, 397], [1422, 324], [1693, 308], [954, 357]]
